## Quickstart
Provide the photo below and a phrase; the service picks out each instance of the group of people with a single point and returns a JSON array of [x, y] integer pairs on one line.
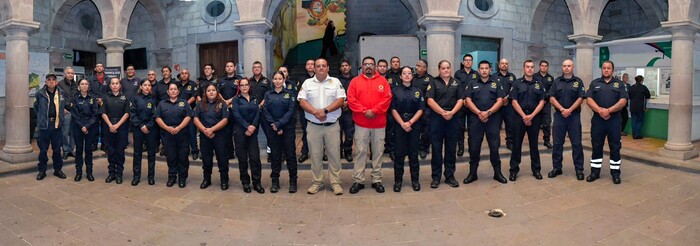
[[386, 109]]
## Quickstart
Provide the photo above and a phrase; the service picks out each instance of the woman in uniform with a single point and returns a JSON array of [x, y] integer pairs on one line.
[[84, 123], [279, 111], [247, 116], [115, 114], [407, 107], [142, 110], [211, 117], [173, 115]]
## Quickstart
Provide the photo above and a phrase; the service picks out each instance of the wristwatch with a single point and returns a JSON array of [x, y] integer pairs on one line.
[[488, 111], [325, 111]]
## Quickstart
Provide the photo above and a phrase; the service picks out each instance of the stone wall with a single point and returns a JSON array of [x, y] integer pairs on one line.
[[557, 28], [625, 19], [142, 35]]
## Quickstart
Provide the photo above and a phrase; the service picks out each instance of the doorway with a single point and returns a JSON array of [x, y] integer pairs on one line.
[[218, 54]]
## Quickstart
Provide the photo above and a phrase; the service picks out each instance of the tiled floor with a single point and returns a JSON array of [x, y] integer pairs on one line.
[[653, 206]]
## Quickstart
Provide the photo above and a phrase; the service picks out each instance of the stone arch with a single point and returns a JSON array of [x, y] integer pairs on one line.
[[551, 25], [681, 10], [440, 7], [155, 11], [654, 9], [540, 12], [626, 18], [104, 8]]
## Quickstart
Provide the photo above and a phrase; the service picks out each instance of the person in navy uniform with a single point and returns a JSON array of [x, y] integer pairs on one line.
[[131, 83], [606, 96], [259, 85], [188, 92], [546, 80], [142, 111], [445, 98], [484, 98], [393, 76], [309, 73], [115, 114], [407, 108], [288, 84], [228, 89], [506, 79], [206, 80], [49, 106], [347, 126], [421, 80], [173, 116], [278, 111], [246, 115], [528, 96], [99, 85], [84, 111], [566, 95], [465, 76], [211, 117]]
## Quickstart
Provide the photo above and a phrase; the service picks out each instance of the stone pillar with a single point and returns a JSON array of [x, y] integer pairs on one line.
[[583, 68], [17, 140], [680, 108], [115, 51], [163, 57], [440, 39], [254, 36]]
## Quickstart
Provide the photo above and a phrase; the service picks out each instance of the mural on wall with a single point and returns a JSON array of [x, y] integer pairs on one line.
[[284, 31], [38, 67]]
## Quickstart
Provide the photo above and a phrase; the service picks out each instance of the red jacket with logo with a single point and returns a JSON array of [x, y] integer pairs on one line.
[[369, 94]]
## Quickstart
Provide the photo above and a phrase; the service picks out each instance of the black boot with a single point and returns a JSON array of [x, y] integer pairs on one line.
[[472, 175], [595, 174], [293, 186], [615, 176], [205, 183], [275, 187]]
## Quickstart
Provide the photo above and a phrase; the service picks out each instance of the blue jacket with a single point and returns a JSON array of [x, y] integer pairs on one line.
[[143, 110], [84, 110], [279, 109], [41, 107]]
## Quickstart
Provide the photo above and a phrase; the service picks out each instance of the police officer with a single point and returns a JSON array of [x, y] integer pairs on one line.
[[228, 89], [445, 98], [259, 86], [309, 73], [566, 95], [278, 110], [393, 76], [206, 80], [49, 106], [506, 80], [188, 92], [528, 96], [211, 117], [347, 126], [421, 80], [131, 83], [99, 85], [160, 91], [143, 108], [84, 112], [484, 98], [115, 114], [407, 108], [465, 76], [546, 80], [383, 67], [288, 84], [606, 96], [173, 116], [246, 116]]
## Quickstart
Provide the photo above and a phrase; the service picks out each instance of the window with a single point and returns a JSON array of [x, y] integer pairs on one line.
[[215, 11], [484, 9]]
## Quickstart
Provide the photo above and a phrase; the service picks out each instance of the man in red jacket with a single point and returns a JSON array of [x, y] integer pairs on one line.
[[369, 97]]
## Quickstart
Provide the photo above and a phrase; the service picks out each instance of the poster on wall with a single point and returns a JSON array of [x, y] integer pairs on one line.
[[38, 67], [665, 81], [113, 72], [314, 15]]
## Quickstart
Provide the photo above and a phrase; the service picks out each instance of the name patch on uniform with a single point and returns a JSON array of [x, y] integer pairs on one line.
[[149, 105], [181, 104], [475, 87], [417, 94], [616, 85], [381, 88], [576, 85], [494, 85]]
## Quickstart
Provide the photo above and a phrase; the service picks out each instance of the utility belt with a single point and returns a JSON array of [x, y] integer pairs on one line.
[[321, 124]]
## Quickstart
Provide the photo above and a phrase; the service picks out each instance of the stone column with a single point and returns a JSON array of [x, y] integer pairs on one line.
[[440, 39], [583, 68], [680, 108], [17, 140], [115, 51], [254, 36]]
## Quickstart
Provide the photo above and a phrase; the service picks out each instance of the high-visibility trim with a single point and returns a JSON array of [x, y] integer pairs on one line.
[[615, 167], [597, 160], [615, 162], [596, 165]]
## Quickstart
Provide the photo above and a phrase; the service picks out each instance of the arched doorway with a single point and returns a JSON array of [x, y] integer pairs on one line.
[[551, 26], [76, 27]]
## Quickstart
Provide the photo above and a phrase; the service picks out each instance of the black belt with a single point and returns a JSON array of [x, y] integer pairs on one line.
[[321, 124]]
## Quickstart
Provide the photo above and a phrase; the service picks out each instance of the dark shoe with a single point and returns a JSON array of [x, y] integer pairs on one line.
[[40, 175], [537, 175], [275, 187], [548, 144], [325, 157], [391, 156], [509, 146], [109, 179], [71, 154], [94, 148], [65, 156], [258, 187], [397, 186], [182, 183], [246, 188], [151, 181], [135, 181], [500, 178], [348, 156], [592, 177], [513, 176], [460, 151], [434, 184], [356, 187], [422, 154], [616, 180], [118, 180], [90, 177], [78, 177], [302, 158], [224, 185], [59, 174], [623, 134], [554, 173], [378, 187], [452, 182], [171, 182], [470, 178], [415, 185], [195, 155], [579, 175], [292, 186], [205, 183]]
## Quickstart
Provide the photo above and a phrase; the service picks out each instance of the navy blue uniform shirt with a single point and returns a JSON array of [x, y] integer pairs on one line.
[[143, 108], [546, 80], [84, 111], [567, 91], [130, 87], [345, 81], [394, 78], [466, 78], [259, 87], [279, 108], [607, 94], [528, 93], [202, 86], [506, 81], [246, 112], [407, 99], [173, 113], [485, 94], [228, 86], [114, 106], [213, 114], [446, 95], [160, 91], [422, 82], [187, 90]]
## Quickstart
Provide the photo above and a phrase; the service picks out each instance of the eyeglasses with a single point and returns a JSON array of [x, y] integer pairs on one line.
[[368, 64], [151, 74], [468, 60]]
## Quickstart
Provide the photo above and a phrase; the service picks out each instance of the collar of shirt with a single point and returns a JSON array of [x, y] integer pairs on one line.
[[328, 78]]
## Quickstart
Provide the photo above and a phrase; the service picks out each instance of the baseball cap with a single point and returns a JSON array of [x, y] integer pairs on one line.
[[51, 75]]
